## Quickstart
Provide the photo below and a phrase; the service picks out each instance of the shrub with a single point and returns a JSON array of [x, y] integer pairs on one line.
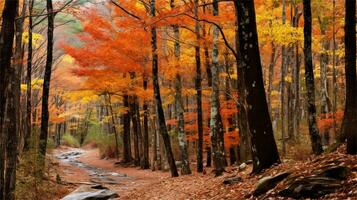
[[69, 140], [103, 141]]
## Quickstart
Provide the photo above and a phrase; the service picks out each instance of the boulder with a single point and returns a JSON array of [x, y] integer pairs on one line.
[[94, 192], [321, 182], [310, 187], [269, 182]]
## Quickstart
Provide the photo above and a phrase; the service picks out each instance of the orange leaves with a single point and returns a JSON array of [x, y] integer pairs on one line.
[[325, 122]]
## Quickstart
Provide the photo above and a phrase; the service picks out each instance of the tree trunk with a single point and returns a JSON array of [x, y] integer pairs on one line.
[[209, 156], [28, 128], [264, 149], [216, 125], [349, 127], [126, 135], [271, 74], [145, 157], [136, 130], [206, 52], [46, 85], [296, 78], [113, 118], [198, 87], [245, 152], [185, 169], [310, 83], [325, 100], [6, 44], [334, 78], [154, 146], [157, 97], [282, 86]]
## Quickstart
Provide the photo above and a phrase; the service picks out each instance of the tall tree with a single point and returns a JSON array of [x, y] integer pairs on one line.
[[28, 128], [145, 158], [349, 126], [310, 82], [185, 169], [157, 96], [216, 125], [245, 152], [126, 135], [6, 45], [198, 87], [283, 85], [46, 83], [264, 150], [12, 114]]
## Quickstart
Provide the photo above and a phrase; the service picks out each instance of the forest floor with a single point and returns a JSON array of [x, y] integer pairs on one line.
[[134, 183]]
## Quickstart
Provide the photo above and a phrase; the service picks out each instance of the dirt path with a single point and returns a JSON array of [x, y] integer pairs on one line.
[[80, 166]]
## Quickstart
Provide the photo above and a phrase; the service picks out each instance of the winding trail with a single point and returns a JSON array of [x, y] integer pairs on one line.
[[82, 166], [99, 176]]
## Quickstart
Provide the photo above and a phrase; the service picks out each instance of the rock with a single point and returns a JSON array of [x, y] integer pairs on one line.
[[336, 172], [310, 187], [96, 192], [267, 183], [229, 181], [178, 163], [242, 166], [321, 182]]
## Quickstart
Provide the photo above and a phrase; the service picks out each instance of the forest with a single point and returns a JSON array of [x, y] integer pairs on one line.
[[178, 99]]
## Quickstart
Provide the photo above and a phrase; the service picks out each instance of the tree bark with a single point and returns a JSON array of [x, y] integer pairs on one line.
[[198, 87], [157, 97], [126, 135], [245, 152], [136, 130], [185, 168], [28, 128], [113, 118], [264, 149], [216, 125], [46, 85], [6, 45], [145, 157], [283, 86], [310, 83], [349, 127]]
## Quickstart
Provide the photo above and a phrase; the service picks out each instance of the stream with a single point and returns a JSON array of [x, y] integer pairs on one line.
[[98, 176]]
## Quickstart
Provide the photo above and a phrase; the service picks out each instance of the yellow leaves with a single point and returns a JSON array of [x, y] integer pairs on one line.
[[83, 96], [274, 93], [36, 84], [68, 59], [36, 38], [139, 5], [288, 79]]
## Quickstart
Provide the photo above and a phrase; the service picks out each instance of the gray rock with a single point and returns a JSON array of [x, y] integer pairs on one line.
[[269, 182], [242, 166], [96, 192]]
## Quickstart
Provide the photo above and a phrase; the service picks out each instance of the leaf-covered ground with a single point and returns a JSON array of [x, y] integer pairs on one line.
[[145, 184]]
